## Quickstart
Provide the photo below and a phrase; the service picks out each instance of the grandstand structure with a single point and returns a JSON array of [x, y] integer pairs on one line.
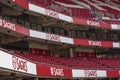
[[59, 39]]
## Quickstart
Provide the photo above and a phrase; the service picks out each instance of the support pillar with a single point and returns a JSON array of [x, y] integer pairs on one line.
[[71, 52]]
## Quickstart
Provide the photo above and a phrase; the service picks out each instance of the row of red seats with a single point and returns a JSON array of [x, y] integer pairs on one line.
[[82, 63], [113, 63], [77, 12], [112, 10], [85, 54]]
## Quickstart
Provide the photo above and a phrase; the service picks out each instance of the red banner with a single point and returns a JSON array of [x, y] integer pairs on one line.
[[113, 73], [7, 24], [14, 27], [22, 3], [43, 70], [105, 25], [81, 42], [91, 23], [22, 30], [79, 21], [107, 44], [93, 43]]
